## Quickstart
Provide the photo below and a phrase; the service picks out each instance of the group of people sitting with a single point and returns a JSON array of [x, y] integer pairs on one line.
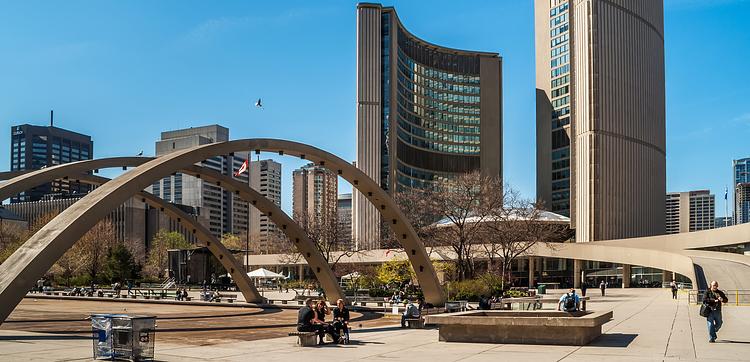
[[312, 318], [181, 294]]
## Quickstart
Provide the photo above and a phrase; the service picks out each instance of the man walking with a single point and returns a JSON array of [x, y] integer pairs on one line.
[[713, 300], [673, 286], [602, 287]]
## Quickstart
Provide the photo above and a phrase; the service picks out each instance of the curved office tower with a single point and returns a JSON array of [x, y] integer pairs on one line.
[[425, 113]]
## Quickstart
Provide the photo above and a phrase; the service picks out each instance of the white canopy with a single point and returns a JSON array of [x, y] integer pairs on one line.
[[354, 275], [263, 273]]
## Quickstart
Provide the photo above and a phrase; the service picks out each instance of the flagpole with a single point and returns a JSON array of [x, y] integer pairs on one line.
[[247, 237], [726, 206]]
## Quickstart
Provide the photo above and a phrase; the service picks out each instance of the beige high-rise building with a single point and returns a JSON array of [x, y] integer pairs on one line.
[[315, 197], [690, 211], [219, 210], [425, 113], [601, 115], [265, 177]]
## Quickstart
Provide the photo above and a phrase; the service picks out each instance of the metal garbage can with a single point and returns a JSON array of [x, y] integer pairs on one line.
[[541, 289], [123, 337]]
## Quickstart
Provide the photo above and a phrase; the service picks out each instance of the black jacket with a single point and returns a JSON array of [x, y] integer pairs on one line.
[[712, 298]]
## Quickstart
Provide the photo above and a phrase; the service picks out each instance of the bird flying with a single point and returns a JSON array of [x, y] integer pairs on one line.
[[258, 104]]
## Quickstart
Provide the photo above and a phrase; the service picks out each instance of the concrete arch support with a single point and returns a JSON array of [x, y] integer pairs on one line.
[[295, 234], [225, 258]]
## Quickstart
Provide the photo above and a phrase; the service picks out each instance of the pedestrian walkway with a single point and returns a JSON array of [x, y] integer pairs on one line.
[[647, 326]]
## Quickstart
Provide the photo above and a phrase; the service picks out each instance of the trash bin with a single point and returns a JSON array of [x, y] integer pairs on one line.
[[541, 289], [120, 336]]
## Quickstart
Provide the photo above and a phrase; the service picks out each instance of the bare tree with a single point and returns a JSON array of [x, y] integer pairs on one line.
[[465, 203], [94, 246], [514, 228], [326, 234]]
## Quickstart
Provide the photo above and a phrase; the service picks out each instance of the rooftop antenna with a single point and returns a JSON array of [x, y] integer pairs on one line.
[[51, 117]]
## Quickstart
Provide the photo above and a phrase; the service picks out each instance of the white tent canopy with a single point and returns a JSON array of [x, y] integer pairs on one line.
[[354, 275], [263, 273]]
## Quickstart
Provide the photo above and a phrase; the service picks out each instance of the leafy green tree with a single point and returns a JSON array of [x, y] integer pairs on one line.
[[120, 265], [394, 272], [157, 259]]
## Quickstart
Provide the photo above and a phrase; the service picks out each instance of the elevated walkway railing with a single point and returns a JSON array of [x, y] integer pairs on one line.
[[736, 297]]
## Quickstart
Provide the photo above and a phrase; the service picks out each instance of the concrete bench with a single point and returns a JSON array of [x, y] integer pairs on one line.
[[415, 323], [187, 299], [133, 296], [230, 300], [56, 293], [217, 300], [305, 339]]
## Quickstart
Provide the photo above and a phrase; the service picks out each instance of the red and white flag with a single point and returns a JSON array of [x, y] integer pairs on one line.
[[242, 169]]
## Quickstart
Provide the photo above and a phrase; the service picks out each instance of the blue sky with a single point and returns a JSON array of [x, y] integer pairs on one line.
[[123, 71]]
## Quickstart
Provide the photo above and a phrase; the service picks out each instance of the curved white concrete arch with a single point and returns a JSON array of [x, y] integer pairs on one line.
[[300, 240]]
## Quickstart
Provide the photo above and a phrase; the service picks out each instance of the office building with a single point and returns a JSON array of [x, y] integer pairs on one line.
[[265, 177], [690, 211], [134, 220], [601, 115], [315, 197], [741, 175], [741, 203], [219, 210], [344, 211], [425, 113], [36, 147]]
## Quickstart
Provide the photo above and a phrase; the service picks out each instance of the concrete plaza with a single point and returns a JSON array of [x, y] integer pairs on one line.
[[647, 326]]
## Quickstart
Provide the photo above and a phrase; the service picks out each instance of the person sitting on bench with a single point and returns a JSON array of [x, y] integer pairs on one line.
[[305, 320], [321, 310], [570, 302], [411, 312], [341, 320]]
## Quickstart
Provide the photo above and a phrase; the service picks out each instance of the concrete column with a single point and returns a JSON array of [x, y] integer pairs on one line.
[[300, 272], [531, 271], [577, 266], [626, 275]]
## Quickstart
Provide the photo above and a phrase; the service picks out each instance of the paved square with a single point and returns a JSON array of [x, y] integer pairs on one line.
[[647, 326]]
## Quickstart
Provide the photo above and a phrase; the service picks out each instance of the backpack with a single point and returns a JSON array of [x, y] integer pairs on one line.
[[569, 303]]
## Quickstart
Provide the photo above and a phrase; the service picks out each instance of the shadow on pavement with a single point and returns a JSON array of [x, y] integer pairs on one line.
[[730, 341], [621, 340]]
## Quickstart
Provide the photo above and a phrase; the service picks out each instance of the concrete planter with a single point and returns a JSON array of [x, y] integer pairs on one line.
[[521, 327]]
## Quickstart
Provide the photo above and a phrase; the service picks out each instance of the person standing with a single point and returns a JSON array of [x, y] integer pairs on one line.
[[602, 287], [673, 286], [713, 300]]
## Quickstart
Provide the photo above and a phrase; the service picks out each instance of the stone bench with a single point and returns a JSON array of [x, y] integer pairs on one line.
[[415, 323], [305, 339]]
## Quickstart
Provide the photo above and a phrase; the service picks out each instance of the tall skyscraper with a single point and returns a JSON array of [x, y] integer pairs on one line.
[[601, 115], [265, 177], [690, 211], [344, 211], [425, 113], [36, 147], [315, 196], [741, 175], [220, 211]]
